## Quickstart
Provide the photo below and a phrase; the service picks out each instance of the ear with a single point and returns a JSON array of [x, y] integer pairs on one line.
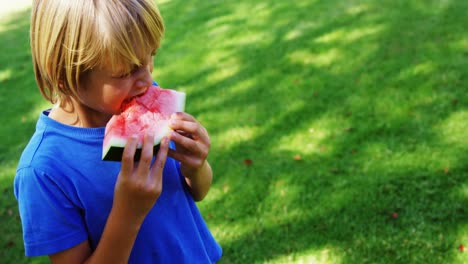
[[61, 84]]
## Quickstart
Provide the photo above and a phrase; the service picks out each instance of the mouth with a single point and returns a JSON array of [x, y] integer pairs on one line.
[[129, 100]]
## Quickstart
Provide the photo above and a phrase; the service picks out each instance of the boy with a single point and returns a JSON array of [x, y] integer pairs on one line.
[[89, 57]]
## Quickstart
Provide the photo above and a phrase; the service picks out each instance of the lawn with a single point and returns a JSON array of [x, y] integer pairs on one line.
[[338, 127]]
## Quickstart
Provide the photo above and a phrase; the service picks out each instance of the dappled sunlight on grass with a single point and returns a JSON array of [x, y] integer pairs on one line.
[[338, 128], [461, 244], [346, 36], [390, 156], [275, 212], [33, 114], [335, 198], [307, 57], [21, 104], [7, 170], [162, 2], [225, 69], [453, 130], [252, 33], [424, 68], [233, 229], [460, 45], [235, 136], [308, 140], [357, 9], [464, 191], [8, 27], [299, 29], [324, 255], [261, 10], [217, 27], [241, 87], [5, 75], [253, 37]]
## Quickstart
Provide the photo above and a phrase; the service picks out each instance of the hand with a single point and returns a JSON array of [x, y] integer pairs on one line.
[[192, 147], [191, 139], [139, 184], [137, 188]]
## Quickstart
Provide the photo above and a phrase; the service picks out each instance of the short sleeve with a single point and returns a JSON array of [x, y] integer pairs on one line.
[[51, 221]]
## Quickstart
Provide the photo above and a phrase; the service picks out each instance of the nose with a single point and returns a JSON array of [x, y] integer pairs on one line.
[[144, 77]]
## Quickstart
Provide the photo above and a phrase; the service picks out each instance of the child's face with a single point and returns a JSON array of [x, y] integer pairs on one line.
[[103, 91]]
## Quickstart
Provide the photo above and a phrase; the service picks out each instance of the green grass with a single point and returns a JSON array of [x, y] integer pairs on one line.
[[349, 111]]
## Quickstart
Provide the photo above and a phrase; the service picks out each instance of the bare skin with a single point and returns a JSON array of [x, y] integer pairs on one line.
[[140, 182], [139, 185], [192, 147]]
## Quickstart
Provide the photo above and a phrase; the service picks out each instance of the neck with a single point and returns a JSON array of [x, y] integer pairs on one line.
[[79, 115]]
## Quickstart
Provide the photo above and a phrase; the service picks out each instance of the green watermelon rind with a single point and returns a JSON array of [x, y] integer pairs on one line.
[[114, 153], [114, 150]]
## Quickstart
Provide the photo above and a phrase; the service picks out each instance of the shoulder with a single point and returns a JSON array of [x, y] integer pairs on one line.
[[30, 183], [41, 143], [50, 216], [54, 145]]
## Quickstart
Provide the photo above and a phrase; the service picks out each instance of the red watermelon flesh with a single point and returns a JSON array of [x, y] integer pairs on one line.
[[149, 113]]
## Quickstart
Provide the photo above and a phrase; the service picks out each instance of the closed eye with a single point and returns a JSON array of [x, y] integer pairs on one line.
[[127, 74]]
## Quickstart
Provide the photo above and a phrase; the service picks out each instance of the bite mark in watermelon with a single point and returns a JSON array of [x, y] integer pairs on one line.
[[149, 113]]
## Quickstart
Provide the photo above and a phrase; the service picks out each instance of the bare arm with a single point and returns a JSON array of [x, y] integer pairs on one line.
[[198, 180], [136, 191], [192, 148], [76, 254]]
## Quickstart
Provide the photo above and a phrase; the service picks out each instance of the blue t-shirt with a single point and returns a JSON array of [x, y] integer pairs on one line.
[[65, 193]]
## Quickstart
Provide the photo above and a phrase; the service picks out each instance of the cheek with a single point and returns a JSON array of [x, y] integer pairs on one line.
[[104, 94], [103, 98], [112, 99], [115, 94]]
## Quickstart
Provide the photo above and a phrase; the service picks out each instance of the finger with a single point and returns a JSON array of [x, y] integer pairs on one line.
[[146, 156], [189, 125], [187, 149], [184, 134], [177, 155], [161, 157], [128, 155], [183, 116], [186, 126], [192, 141], [186, 142], [190, 160], [190, 129]]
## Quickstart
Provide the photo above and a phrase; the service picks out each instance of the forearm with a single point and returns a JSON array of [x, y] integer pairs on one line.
[[198, 180], [136, 191]]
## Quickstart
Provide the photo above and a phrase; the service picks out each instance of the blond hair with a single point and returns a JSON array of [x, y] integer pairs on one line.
[[69, 38]]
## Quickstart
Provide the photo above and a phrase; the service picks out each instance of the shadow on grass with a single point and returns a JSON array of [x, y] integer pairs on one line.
[[364, 94], [19, 99], [383, 181]]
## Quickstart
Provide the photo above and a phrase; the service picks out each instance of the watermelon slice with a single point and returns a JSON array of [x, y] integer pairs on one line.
[[149, 113]]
